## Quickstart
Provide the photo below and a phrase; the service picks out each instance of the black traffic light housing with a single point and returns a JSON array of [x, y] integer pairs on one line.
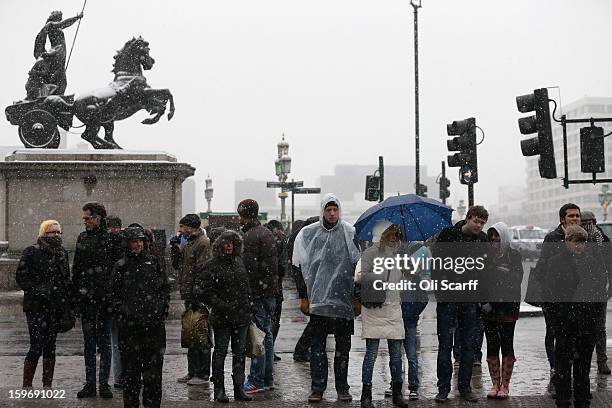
[[542, 144], [444, 185], [422, 190], [372, 189], [592, 158], [465, 144]]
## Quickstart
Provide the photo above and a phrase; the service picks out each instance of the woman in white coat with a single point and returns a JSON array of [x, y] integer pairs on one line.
[[382, 312]]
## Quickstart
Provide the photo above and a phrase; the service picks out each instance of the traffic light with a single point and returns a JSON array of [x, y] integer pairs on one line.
[[592, 158], [542, 144], [444, 185], [372, 190], [465, 144], [422, 190]]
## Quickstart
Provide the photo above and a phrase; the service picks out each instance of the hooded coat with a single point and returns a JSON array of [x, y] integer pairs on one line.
[[260, 258], [327, 258], [384, 322], [192, 255], [44, 276], [141, 291], [502, 279], [222, 283]]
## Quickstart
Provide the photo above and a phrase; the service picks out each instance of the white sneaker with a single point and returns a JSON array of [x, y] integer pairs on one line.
[[198, 381], [184, 379]]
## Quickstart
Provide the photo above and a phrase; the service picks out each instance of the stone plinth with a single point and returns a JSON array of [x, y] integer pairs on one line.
[[39, 184]]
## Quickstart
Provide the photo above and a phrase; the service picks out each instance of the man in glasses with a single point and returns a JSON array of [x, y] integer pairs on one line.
[[93, 263]]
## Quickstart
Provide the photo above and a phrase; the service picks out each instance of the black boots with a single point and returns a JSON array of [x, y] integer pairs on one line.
[[219, 391], [366, 396], [29, 369], [398, 397]]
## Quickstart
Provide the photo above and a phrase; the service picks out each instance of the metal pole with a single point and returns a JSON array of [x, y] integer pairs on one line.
[[381, 172], [470, 195], [292, 209], [443, 178], [565, 168], [282, 208], [417, 179]]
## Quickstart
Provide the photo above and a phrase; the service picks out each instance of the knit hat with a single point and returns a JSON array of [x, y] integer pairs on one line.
[[191, 220], [587, 216], [248, 208], [134, 233]]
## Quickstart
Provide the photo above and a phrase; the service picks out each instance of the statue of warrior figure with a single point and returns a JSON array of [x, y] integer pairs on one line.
[[48, 75]]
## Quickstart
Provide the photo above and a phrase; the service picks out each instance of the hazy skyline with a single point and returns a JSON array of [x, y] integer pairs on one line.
[[335, 76]]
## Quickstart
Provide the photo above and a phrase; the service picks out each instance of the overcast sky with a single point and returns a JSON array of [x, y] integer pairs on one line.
[[336, 76]]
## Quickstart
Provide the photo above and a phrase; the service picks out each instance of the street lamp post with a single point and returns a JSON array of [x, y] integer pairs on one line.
[[283, 168], [208, 192], [604, 199], [416, 4]]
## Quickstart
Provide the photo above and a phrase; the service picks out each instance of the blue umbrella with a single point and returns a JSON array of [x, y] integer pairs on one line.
[[419, 217]]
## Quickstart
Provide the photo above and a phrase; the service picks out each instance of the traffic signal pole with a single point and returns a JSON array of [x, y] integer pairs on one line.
[[417, 180], [443, 178], [470, 195], [381, 172]]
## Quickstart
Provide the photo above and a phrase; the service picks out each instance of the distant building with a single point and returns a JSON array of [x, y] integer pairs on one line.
[[188, 196], [510, 207], [545, 197], [348, 183], [257, 190]]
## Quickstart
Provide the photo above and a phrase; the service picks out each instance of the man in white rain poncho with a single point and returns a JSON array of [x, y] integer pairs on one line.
[[327, 253]]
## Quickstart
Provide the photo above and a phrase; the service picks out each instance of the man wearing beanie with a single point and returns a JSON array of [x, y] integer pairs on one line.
[[186, 258], [326, 254], [261, 262]]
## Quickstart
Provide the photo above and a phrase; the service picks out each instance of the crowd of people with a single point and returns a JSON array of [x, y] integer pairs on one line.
[[119, 288]]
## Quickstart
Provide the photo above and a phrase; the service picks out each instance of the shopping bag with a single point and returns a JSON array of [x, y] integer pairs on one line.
[[255, 342]]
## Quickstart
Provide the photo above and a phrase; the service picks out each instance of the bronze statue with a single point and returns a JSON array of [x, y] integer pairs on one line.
[[46, 107], [48, 75], [126, 95]]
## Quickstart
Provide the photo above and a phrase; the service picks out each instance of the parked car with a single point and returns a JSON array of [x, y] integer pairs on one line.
[[527, 239], [606, 227]]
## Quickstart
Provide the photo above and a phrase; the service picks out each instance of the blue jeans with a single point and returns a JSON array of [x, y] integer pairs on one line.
[[479, 339], [42, 337], [450, 317], [262, 367], [97, 333], [117, 369], [410, 314], [395, 360]]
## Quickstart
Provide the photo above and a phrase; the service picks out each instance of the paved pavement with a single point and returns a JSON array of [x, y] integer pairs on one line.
[[528, 387]]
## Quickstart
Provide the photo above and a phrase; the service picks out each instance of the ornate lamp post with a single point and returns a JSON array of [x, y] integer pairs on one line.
[[283, 168], [604, 199], [208, 191]]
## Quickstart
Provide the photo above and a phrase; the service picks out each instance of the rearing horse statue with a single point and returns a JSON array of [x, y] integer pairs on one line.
[[126, 95]]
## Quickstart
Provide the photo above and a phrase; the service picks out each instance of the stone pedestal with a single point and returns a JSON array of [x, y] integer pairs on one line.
[[40, 184]]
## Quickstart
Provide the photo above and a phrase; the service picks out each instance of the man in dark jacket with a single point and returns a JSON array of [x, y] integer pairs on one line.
[[283, 264], [452, 315], [188, 255], [261, 262], [569, 214], [141, 296], [92, 276], [577, 291]]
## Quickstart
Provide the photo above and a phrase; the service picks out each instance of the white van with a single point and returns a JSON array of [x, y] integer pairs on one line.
[[528, 240]]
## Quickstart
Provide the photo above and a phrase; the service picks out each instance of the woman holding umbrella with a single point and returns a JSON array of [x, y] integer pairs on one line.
[[382, 313]]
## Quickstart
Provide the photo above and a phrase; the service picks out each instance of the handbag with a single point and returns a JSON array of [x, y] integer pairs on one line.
[[195, 329], [255, 342], [66, 320]]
